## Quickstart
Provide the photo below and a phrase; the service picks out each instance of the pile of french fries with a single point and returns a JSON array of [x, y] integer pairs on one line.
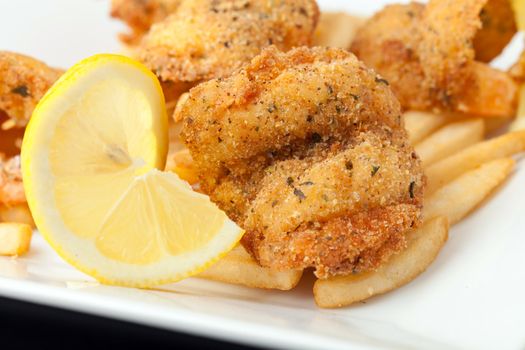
[[462, 169]]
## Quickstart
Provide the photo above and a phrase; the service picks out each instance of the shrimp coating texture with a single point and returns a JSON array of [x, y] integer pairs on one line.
[[206, 39], [141, 14], [307, 152], [23, 82], [11, 187], [427, 54], [497, 29], [10, 139]]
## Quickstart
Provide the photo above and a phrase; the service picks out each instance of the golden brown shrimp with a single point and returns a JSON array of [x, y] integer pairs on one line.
[[427, 54], [497, 29], [306, 151], [23, 82], [140, 15], [10, 139], [11, 188], [206, 39]]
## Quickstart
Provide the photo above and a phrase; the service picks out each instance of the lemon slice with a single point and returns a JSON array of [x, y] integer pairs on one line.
[[519, 10], [90, 161]]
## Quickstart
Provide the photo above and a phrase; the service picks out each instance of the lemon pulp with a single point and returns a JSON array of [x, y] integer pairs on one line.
[[519, 9], [92, 159]]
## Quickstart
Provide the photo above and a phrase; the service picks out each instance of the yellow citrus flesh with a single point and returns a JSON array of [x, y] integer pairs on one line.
[[90, 160], [519, 10]]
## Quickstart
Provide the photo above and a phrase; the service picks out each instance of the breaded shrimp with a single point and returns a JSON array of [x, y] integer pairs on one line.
[[206, 39], [11, 188], [427, 54], [497, 29], [23, 82], [10, 139], [141, 14], [307, 152]]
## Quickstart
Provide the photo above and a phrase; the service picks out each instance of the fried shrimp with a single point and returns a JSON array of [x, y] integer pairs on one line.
[[427, 54], [11, 188], [10, 139], [23, 82], [307, 152], [206, 39], [497, 29], [140, 15]]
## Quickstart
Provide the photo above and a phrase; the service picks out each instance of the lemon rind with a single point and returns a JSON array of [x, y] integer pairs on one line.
[[48, 227]]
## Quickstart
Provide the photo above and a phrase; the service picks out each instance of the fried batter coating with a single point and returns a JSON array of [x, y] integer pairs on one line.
[[206, 39], [23, 82], [427, 54], [10, 139], [141, 14], [11, 188], [307, 152], [497, 29]]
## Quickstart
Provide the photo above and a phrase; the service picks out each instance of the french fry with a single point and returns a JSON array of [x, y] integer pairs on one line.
[[423, 247], [175, 143], [182, 164], [519, 122], [17, 213], [179, 159], [336, 29], [176, 116], [238, 267], [456, 199], [421, 124], [495, 124], [15, 238], [448, 169], [450, 139]]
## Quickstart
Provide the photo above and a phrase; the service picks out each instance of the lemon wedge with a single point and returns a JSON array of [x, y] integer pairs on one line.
[[91, 162], [519, 10]]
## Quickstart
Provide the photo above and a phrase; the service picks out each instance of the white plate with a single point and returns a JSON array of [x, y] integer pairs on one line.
[[470, 298]]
